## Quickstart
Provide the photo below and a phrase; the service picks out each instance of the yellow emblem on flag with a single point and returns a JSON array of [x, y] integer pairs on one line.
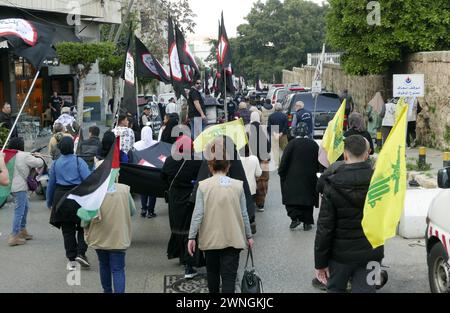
[[235, 130], [386, 196], [333, 139]]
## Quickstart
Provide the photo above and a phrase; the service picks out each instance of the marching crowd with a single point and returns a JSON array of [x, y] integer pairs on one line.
[[211, 201]]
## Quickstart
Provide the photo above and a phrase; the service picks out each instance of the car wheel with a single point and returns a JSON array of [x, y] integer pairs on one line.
[[438, 270]]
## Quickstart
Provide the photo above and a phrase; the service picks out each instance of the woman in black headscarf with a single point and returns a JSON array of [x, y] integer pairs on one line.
[[67, 173], [172, 122], [180, 174]]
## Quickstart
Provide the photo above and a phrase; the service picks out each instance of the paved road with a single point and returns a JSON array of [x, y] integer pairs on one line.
[[283, 258]]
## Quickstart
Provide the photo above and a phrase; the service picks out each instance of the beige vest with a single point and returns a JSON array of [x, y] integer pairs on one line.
[[111, 230], [223, 225]]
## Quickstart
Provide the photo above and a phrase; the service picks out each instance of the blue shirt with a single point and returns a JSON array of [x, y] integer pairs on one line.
[[66, 171], [304, 116]]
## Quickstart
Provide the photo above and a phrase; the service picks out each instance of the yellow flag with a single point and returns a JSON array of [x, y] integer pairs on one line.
[[386, 195], [235, 130], [333, 139]]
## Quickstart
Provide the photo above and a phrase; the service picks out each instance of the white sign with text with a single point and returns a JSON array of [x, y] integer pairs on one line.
[[410, 85]]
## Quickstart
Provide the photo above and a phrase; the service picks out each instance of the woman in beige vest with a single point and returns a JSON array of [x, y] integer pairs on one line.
[[221, 221]]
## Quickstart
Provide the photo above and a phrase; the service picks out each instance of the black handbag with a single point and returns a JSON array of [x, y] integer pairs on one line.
[[251, 282]]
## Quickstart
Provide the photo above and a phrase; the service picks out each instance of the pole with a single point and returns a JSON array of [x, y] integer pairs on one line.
[[315, 113], [21, 110], [225, 94], [130, 5]]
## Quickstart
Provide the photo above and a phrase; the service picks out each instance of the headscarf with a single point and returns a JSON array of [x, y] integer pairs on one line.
[[356, 122], [167, 132], [147, 139], [107, 142], [255, 117], [66, 145], [377, 103]]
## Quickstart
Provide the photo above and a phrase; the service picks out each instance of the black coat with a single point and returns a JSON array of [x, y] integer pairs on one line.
[[8, 122], [298, 172], [340, 236]]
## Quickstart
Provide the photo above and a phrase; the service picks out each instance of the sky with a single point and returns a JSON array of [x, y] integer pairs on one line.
[[208, 15]]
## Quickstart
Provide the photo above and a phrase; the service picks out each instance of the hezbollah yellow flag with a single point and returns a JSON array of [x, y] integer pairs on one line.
[[333, 139], [235, 130], [386, 195]]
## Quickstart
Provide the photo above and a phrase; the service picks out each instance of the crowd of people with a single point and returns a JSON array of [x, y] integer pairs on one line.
[[212, 202]]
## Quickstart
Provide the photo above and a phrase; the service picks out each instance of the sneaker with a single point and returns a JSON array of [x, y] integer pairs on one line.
[[72, 265], [294, 224], [16, 241], [190, 273], [83, 261], [319, 285], [143, 213], [307, 227], [151, 215], [261, 209]]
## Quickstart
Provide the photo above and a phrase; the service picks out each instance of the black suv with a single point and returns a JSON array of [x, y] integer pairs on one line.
[[327, 106]]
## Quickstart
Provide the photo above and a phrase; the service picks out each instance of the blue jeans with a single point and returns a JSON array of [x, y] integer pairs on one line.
[[20, 212], [112, 263], [148, 203], [197, 125]]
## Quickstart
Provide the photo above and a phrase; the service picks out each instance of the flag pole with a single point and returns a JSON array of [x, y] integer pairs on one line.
[[21, 110], [225, 94]]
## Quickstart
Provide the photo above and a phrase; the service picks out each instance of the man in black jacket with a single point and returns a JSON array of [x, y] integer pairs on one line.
[[91, 147], [6, 119], [342, 252]]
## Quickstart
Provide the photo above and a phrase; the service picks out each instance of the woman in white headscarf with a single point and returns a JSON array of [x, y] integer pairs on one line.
[[148, 202]]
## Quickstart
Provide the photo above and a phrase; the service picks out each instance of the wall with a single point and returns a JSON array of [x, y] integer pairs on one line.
[[433, 123]]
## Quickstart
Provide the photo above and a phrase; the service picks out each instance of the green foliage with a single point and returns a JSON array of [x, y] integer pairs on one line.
[[112, 65], [83, 55], [447, 133], [407, 26], [417, 166], [278, 35], [3, 134]]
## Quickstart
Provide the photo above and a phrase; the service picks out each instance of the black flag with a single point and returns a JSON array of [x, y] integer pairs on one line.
[[148, 66], [223, 48], [189, 67], [27, 39], [129, 103], [176, 73]]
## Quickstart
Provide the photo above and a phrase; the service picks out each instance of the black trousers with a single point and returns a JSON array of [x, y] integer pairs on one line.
[[303, 213], [223, 264], [341, 274], [73, 240], [411, 133]]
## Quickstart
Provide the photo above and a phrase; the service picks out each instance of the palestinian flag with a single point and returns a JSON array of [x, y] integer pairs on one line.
[[91, 192], [10, 161]]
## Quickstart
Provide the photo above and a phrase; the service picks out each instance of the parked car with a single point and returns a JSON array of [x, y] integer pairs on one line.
[[327, 106], [438, 237]]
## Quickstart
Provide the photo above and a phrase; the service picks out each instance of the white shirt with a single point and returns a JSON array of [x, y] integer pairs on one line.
[[389, 117], [252, 170], [173, 108]]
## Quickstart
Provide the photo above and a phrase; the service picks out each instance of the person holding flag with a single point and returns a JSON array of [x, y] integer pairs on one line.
[[22, 163], [342, 251], [67, 172]]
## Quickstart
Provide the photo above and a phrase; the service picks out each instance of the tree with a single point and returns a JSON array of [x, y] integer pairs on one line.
[[81, 57], [112, 66], [278, 35], [407, 26]]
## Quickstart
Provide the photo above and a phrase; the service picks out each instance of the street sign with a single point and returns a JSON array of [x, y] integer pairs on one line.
[[410, 85], [316, 86]]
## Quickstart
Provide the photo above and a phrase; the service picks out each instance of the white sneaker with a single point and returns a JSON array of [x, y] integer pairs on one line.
[[72, 265]]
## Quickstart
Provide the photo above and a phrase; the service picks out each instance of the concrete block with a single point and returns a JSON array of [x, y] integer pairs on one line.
[[413, 221]]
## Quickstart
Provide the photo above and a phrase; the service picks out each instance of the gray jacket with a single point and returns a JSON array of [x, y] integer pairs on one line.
[[23, 164]]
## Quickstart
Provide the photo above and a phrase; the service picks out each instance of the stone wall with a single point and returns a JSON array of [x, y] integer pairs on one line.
[[433, 123]]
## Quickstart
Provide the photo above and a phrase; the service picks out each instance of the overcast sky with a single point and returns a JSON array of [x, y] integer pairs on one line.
[[208, 14]]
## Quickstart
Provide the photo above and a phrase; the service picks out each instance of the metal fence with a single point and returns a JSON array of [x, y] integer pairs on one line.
[[330, 58]]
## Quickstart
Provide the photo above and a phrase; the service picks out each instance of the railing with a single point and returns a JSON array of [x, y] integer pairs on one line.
[[330, 58]]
